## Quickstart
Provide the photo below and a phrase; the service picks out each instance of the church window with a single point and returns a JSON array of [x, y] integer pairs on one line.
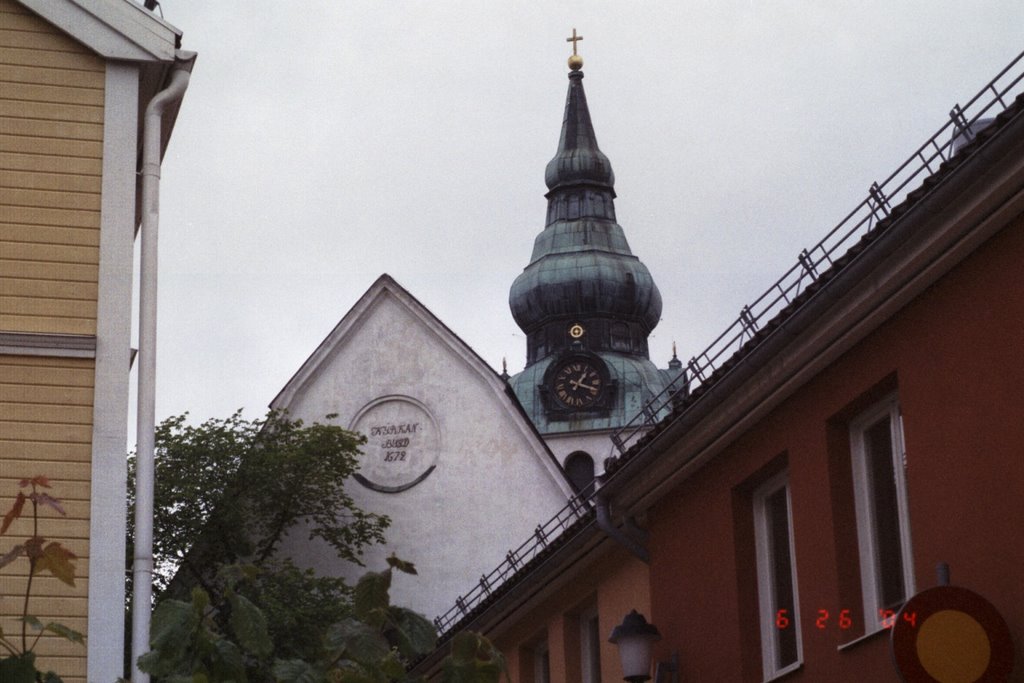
[[541, 663], [883, 523], [574, 207], [579, 467], [781, 648], [619, 336]]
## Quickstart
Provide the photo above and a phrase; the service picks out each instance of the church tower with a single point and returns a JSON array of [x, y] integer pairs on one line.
[[585, 303]]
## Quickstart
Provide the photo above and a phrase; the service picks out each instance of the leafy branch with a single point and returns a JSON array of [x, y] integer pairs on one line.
[[19, 664]]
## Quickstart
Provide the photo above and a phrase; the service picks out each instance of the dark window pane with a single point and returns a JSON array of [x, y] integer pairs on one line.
[[594, 649], [579, 467], [880, 463], [777, 512]]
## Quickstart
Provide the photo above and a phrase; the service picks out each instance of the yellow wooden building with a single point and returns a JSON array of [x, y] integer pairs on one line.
[[76, 77]]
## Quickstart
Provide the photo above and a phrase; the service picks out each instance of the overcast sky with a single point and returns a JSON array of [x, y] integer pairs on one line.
[[321, 144]]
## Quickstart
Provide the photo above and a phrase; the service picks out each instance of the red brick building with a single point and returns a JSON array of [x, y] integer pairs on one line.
[[859, 424]]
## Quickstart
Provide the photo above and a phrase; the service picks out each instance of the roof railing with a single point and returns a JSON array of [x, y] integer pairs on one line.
[[963, 124], [810, 264], [578, 507]]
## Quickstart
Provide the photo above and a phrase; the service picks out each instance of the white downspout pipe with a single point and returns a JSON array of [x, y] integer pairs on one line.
[[142, 562]]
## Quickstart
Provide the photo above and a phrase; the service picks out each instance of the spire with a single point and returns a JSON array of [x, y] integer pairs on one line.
[[582, 270], [578, 159]]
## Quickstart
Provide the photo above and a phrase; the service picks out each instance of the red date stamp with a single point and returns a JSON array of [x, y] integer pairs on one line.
[[843, 619]]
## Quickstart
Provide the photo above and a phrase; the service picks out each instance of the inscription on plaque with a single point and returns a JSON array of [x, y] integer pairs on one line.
[[402, 442]]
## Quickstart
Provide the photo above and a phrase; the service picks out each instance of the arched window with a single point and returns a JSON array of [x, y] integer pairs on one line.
[[579, 467]]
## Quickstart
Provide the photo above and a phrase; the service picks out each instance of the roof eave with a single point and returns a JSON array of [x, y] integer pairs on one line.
[[119, 30], [967, 205]]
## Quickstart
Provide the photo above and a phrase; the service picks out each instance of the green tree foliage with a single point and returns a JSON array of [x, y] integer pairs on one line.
[[228, 491], [371, 644]]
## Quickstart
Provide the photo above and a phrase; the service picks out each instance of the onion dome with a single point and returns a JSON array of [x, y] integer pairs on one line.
[[582, 270]]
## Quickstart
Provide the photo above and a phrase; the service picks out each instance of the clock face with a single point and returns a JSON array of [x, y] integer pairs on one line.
[[577, 384]]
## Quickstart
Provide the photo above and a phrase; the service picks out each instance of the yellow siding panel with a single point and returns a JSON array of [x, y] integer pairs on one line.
[[20, 73], [41, 325], [52, 146], [88, 201], [51, 104], [70, 182], [42, 164], [35, 215], [65, 471], [49, 253], [24, 393], [70, 271], [47, 372], [54, 60], [69, 490], [86, 237], [53, 605], [50, 271], [47, 308], [39, 127], [54, 112], [55, 290], [55, 94], [52, 432], [40, 412]]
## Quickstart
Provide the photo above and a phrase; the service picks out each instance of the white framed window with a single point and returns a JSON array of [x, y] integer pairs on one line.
[[883, 521], [541, 663], [590, 646], [778, 604]]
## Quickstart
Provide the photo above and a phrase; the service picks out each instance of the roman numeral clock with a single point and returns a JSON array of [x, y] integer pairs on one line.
[[577, 384]]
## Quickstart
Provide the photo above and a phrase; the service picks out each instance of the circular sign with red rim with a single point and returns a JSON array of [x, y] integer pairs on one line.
[[949, 634]]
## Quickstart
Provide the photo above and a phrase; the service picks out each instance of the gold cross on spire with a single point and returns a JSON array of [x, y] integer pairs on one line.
[[575, 61], [573, 40]]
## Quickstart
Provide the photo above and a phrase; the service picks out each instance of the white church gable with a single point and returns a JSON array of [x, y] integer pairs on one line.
[[450, 457]]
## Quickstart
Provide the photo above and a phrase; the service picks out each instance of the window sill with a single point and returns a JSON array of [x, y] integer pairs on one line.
[[857, 641], [782, 673]]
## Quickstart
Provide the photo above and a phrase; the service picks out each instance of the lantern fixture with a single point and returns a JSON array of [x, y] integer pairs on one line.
[[635, 638]]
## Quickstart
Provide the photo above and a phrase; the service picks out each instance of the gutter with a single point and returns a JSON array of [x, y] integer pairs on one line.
[[632, 539], [142, 564]]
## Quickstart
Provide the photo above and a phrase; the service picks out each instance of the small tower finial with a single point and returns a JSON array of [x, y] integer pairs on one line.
[[575, 61], [674, 363]]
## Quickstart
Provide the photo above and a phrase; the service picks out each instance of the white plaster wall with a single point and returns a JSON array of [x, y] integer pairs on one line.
[[597, 443], [492, 485]]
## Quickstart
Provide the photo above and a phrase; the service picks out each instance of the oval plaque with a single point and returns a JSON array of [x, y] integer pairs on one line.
[[402, 444]]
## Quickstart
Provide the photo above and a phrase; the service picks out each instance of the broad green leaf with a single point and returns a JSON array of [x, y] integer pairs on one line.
[[416, 634], [229, 662], [18, 669], [392, 666], [33, 622], [296, 671], [58, 560], [401, 565], [357, 641], [172, 627], [371, 597], [355, 674], [65, 632], [50, 677], [250, 626], [465, 646]]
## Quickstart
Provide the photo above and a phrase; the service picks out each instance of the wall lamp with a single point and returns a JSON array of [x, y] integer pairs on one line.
[[635, 638]]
